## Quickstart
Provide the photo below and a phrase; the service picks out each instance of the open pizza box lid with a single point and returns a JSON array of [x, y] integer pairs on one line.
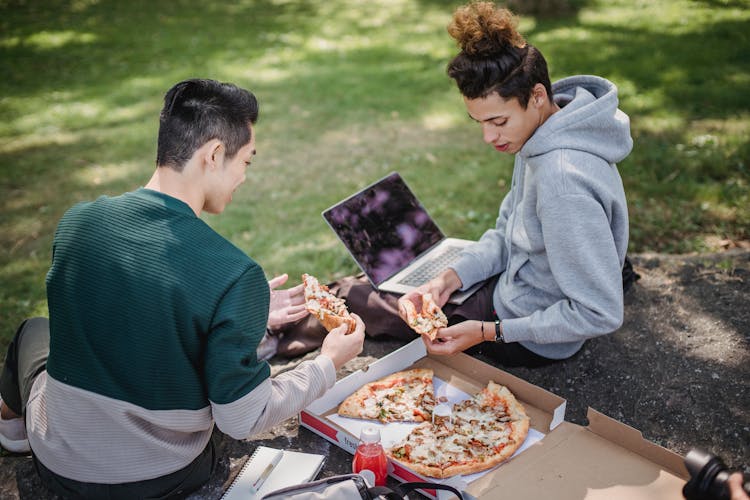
[[606, 459]]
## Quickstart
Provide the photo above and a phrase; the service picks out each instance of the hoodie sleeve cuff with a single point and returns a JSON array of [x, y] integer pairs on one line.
[[468, 272], [514, 328]]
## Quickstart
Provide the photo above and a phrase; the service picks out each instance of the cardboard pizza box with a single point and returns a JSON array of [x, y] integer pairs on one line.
[[605, 459]]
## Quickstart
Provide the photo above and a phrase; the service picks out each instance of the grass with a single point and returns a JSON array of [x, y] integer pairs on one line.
[[350, 91]]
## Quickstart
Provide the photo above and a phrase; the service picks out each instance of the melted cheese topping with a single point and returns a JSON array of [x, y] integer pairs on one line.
[[481, 427], [426, 324], [399, 401], [318, 297]]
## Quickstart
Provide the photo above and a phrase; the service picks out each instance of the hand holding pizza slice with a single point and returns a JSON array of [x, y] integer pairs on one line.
[[330, 310], [428, 320]]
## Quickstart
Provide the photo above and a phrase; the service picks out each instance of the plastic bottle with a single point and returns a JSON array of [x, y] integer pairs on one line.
[[370, 455]]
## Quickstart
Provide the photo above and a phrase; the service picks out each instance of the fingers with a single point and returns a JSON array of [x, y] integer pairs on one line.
[[358, 335], [410, 297], [442, 348], [404, 308], [295, 297], [359, 328], [401, 309], [414, 300], [277, 281], [449, 340], [289, 297], [296, 313], [734, 482], [339, 330], [294, 309], [341, 347], [438, 347], [409, 304]]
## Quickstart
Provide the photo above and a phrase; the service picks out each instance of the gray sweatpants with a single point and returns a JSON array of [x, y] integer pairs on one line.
[[25, 360]]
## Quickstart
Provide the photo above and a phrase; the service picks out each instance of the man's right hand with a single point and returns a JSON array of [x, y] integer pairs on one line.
[[341, 347], [441, 288]]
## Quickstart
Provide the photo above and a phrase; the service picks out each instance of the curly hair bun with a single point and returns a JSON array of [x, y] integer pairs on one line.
[[483, 29]]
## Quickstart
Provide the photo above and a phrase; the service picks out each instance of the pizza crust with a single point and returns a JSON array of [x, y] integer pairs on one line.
[[350, 407], [331, 321], [516, 411], [425, 470], [520, 431], [472, 468]]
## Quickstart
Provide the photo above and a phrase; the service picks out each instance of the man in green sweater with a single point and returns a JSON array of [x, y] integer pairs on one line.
[[154, 322]]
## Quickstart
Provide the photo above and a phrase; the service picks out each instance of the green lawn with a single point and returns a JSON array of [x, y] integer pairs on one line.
[[350, 91]]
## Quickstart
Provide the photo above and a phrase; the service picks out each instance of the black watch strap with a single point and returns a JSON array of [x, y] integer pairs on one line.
[[499, 338]]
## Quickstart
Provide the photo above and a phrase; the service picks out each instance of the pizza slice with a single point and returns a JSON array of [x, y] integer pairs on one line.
[[330, 310], [496, 425], [402, 396], [420, 451], [484, 431], [428, 320], [442, 450]]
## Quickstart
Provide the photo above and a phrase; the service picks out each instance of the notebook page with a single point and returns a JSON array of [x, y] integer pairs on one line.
[[294, 468]]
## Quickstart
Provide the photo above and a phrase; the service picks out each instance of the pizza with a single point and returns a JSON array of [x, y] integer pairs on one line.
[[428, 320], [480, 432], [483, 432], [330, 310], [402, 396]]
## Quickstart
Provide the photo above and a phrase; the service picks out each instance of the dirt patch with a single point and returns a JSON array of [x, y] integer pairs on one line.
[[678, 370]]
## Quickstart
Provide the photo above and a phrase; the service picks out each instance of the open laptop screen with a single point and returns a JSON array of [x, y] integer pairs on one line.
[[384, 227]]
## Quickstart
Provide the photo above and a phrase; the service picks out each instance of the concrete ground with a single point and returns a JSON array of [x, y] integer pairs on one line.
[[678, 370]]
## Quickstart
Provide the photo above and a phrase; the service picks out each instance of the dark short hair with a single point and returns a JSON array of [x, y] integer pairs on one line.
[[494, 57], [199, 110], [512, 73]]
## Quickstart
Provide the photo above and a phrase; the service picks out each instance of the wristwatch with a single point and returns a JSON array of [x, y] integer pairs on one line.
[[499, 338]]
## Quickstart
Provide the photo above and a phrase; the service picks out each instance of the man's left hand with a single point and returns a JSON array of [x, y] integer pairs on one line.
[[287, 306]]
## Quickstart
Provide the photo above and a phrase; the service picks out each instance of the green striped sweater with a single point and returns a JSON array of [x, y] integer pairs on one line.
[[154, 324]]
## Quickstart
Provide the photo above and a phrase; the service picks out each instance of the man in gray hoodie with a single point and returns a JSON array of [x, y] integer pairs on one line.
[[553, 262]]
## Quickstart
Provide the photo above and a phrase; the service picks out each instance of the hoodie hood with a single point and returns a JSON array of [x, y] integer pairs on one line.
[[589, 121]]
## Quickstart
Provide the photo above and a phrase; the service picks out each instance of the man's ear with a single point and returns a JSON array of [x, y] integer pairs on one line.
[[213, 154], [539, 95]]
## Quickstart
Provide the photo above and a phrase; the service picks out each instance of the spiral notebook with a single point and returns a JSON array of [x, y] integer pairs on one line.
[[294, 467]]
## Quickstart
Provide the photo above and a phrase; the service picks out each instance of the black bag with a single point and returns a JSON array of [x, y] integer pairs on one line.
[[351, 487], [629, 276]]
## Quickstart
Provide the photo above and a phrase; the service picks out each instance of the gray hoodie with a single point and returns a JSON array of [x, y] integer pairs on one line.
[[562, 232]]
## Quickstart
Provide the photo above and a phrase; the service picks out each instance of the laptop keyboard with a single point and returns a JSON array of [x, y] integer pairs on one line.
[[431, 268]]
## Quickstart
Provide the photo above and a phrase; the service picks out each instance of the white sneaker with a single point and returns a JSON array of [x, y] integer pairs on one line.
[[13, 436]]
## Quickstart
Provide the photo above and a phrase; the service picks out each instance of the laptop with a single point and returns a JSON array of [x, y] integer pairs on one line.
[[392, 237]]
